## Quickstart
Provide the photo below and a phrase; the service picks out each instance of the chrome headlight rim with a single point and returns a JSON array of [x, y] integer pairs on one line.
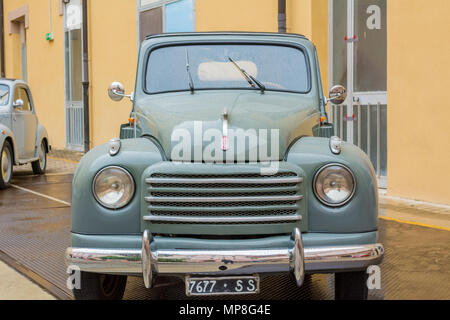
[[133, 188], [330, 204]]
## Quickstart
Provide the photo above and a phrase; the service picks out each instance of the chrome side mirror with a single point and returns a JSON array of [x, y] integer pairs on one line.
[[116, 92], [337, 95], [18, 103]]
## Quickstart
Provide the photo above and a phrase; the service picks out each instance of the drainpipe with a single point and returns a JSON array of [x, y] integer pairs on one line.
[[85, 81], [282, 16], [2, 40]]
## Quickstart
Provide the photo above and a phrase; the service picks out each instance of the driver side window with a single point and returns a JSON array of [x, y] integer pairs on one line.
[[21, 93]]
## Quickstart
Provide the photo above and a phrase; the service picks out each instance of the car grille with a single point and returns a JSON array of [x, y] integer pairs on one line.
[[226, 199]]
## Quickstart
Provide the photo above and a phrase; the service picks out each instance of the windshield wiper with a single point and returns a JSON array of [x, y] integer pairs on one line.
[[188, 70], [250, 79]]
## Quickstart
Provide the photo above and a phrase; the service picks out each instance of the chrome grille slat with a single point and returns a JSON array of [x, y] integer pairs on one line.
[[188, 210], [223, 199], [224, 180], [227, 213], [224, 190], [222, 219]]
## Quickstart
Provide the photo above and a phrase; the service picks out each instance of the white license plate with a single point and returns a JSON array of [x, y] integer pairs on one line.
[[222, 286]]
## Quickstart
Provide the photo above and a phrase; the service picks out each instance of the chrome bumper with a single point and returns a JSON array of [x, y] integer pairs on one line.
[[295, 260]]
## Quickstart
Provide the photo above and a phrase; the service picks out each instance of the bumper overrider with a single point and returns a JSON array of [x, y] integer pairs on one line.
[[296, 260]]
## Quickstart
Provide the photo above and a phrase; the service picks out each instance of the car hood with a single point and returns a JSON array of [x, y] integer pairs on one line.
[[189, 126]]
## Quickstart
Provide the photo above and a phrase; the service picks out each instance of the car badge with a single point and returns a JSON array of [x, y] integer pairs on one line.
[[225, 141]]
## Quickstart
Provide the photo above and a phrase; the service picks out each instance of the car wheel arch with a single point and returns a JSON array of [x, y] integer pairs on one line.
[[13, 149]]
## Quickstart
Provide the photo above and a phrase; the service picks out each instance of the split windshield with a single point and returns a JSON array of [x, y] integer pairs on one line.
[[201, 67]]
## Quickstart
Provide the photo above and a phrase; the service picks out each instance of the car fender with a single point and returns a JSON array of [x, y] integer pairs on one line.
[[88, 216], [7, 134], [41, 134], [358, 215]]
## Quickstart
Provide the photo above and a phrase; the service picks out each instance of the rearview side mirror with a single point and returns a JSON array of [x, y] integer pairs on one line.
[[337, 95], [116, 91], [18, 103]]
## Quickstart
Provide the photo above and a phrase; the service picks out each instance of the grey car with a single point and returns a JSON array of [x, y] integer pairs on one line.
[[186, 191], [23, 139]]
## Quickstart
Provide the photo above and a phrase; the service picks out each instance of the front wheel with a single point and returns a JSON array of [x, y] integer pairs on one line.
[[6, 165], [40, 165], [351, 285], [95, 286]]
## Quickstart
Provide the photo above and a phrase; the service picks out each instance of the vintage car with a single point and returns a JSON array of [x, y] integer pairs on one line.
[[23, 139], [227, 171]]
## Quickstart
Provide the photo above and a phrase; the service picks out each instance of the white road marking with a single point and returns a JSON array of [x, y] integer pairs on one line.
[[41, 195]]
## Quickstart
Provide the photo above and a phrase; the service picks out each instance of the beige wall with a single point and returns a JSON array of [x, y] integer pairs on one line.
[[112, 57], [419, 111], [237, 15], [112, 48], [45, 63]]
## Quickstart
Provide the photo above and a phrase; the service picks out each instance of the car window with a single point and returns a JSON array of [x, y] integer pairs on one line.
[[177, 68], [21, 93], [4, 95]]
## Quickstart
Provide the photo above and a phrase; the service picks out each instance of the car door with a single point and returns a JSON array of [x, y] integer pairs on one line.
[[24, 124]]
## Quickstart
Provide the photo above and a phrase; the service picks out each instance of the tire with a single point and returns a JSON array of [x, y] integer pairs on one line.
[[96, 286], [351, 285], [6, 165], [40, 165]]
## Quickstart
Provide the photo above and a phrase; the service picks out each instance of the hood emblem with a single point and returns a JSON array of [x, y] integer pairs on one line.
[[225, 141]]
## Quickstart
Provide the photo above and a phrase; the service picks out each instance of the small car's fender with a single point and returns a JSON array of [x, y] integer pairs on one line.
[[88, 216], [358, 215], [41, 134], [7, 134]]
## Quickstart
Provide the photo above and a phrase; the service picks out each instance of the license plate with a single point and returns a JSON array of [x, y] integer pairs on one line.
[[222, 286]]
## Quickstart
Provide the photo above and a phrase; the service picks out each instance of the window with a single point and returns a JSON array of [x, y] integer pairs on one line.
[[178, 16], [158, 16], [21, 93], [150, 22], [279, 68], [4, 95]]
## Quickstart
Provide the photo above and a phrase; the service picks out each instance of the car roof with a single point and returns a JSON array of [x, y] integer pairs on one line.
[[226, 33], [10, 81]]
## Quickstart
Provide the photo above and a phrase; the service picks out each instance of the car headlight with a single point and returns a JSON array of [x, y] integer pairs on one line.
[[113, 187], [334, 185]]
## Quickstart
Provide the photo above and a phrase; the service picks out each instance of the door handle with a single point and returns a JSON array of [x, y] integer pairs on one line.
[[355, 99]]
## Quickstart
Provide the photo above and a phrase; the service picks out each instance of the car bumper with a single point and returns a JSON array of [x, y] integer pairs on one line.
[[150, 261]]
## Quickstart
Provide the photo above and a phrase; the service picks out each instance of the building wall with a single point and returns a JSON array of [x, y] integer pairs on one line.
[[237, 15], [112, 57], [418, 69], [45, 63], [418, 112]]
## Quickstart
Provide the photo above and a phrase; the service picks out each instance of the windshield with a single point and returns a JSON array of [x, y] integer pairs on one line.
[[200, 67], [4, 95]]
